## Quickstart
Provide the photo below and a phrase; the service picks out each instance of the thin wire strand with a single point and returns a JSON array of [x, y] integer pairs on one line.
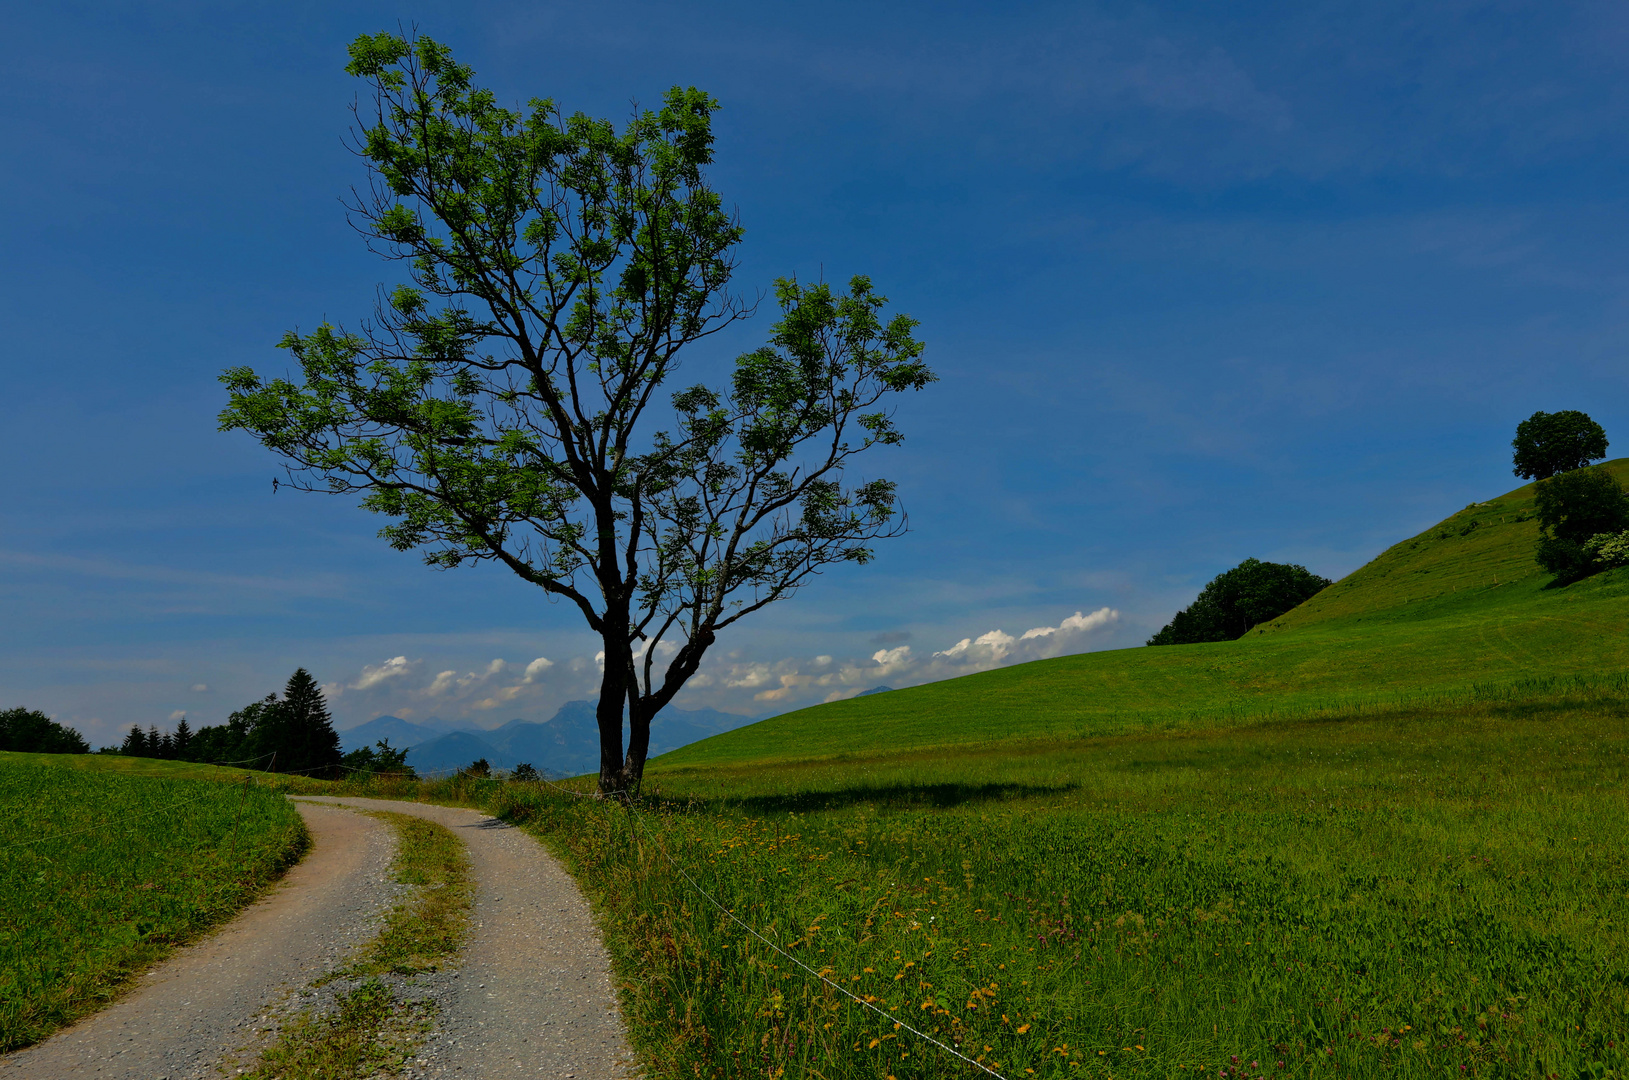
[[655, 840]]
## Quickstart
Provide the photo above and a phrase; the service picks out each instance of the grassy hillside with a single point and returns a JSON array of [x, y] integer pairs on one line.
[[1478, 560], [1459, 611], [106, 863]]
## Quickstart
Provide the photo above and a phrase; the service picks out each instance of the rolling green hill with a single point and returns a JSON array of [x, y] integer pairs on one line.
[[1460, 610]]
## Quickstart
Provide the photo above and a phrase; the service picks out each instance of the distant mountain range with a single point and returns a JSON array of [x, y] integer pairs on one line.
[[567, 744]]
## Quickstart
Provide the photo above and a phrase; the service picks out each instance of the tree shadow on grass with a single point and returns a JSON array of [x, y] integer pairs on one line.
[[894, 797]]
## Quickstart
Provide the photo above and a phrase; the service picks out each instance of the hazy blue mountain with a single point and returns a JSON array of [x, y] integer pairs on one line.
[[566, 744], [874, 690], [400, 733], [452, 751]]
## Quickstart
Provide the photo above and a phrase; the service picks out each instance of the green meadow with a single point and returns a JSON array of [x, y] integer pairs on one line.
[[1456, 611], [1384, 836], [107, 863]]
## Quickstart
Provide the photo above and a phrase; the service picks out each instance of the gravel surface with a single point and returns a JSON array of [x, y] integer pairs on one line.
[[200, 1008], [532, 993]]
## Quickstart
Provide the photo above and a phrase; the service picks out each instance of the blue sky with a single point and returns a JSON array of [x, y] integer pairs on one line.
[[1201, 282]]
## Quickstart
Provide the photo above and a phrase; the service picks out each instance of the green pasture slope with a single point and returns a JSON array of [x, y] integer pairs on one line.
[[1459, 610], [108, 862], [1386, 837]]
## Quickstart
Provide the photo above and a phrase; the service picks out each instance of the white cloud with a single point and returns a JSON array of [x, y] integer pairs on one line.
[[826, 678], [400, 687], [178, 715], [891, 660], [200, 688], [394, 668], [987, 650]]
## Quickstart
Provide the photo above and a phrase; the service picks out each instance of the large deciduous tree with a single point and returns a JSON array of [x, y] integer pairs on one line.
[[1547, 444], [1574, 508], [514, 402]]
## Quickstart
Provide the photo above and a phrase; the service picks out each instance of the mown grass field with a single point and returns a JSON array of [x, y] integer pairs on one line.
[[106, 863]]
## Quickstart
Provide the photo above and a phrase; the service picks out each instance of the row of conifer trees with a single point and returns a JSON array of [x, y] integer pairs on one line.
[[291, 734]]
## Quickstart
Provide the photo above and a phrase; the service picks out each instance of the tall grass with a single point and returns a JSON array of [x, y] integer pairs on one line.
[[102, 873], [1438, 894]]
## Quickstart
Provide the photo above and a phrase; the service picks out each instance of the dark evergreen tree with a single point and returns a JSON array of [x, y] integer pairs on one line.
[[155, 742], [1251, 593], [307, 741], [181, 742], [29, 731], [135, 743]]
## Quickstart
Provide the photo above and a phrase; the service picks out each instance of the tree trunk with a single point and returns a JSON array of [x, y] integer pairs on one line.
[[608, 714], [639, 718]]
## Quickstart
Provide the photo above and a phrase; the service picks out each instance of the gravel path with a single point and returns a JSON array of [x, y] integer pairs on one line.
[[533, 994], [196, 1009]]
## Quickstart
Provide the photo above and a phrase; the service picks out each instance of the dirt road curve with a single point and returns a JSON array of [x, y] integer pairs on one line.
[[532, 997], [192, 1011]]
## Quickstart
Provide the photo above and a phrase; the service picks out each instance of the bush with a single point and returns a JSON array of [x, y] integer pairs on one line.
[[1251, 593], [379, 759], [1574, 508], [525, 773], [30, 732], [1609, 549]]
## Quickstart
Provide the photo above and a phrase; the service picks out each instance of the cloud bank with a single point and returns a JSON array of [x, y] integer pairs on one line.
[[825, 678], [404, 686]]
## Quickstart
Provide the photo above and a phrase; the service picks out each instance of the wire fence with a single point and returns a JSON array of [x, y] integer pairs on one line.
[[658, 842]]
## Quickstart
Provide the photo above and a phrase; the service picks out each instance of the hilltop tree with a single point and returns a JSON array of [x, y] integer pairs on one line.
[[28, 731], [182, 739], [299, 728], [1574, 508], [1547, 444], [516, 403], [1234, 602]]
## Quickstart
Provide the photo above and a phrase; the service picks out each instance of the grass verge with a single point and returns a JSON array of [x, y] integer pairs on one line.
[[369, 1027], [1438, 894], [102, 874]]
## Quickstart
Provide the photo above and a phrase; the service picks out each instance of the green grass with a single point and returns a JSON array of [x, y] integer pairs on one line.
[[1403, 896], [369, 1032], [1449, 613], [104, 868], [424, 930]]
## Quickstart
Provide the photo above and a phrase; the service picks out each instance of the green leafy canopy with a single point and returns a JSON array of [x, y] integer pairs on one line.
[[511, 401]]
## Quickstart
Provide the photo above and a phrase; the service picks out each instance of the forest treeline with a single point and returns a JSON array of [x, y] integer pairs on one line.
[[291, 734]]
